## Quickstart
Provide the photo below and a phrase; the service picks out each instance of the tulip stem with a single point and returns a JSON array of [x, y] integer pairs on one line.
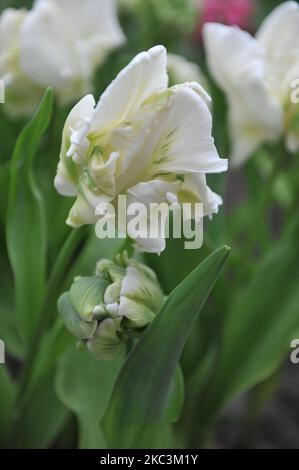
[[127, 246], [259, 217]]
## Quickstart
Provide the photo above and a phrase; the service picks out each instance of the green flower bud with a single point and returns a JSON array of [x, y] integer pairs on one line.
[[86, 295], [109, 308], [80, 329], [107, 342]]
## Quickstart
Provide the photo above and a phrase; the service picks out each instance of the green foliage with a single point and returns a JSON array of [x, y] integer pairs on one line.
[[138, 407], [259, 327], [26, 223], [84, 386], [7, 395]]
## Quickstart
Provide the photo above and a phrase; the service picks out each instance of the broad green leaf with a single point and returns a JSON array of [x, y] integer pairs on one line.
[[84, 386], [26, 223], [258, 329], [138, 408], [7, 395]]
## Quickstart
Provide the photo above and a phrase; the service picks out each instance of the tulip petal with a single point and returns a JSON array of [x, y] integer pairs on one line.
[[85, 294], [63, 183], [146, 75], [181, 70], [48, 54], [148, 193], [66, 181], [81, 213], [76, 326], [226, 48], [115, 271], [181, 141], [255, 112], [197, 184], [103, 173], [106, 343], [140, 286], [138, 314], [248, 133], [141, 296], [95, 24], [279, 35], [10, 24]]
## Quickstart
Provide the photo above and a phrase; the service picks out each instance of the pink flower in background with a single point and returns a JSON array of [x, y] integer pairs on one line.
[[228, 12]]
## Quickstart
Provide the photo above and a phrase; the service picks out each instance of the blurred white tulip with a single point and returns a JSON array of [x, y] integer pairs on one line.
[[257, 74], [59, 43], [182, 70], [143, 140], [21, 94]]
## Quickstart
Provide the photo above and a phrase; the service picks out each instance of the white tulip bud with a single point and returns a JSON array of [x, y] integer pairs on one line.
[[123, 298]]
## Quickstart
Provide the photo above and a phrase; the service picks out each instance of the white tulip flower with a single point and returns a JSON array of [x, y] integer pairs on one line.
[[59, 43], [22, 96], [142, 139], [182, 70], [257, 75]]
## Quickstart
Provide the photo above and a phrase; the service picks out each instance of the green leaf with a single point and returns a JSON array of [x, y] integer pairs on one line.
[[9, 332], [258, 329], [4, 173], [54, 344], [84, 386], [177, 396], [140, 401], [26, 223], [30, 410], [7, 395], [8, 327], [42, 420]]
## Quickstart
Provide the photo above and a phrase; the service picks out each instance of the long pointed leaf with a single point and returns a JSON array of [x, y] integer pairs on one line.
[[137, 411], [26, 222]]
